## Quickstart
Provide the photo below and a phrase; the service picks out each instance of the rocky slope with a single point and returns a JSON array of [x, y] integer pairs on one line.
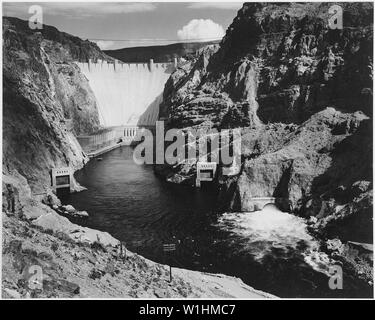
[[78, 262], [302, 94]]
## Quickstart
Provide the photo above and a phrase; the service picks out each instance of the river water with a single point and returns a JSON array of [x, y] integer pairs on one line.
[[269, 250]]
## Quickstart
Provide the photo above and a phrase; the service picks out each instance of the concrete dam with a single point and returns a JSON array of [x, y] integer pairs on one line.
[[128, 97], [127, 93]]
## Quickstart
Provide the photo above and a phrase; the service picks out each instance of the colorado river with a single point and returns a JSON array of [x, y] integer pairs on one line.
[[267, 250]]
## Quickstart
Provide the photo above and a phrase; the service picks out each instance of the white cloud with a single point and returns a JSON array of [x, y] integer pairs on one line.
[[79, 9], [105, 44], [216, 5], [201, 30]]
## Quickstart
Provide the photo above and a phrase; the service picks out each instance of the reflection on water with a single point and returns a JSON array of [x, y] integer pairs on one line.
[[270, 250]]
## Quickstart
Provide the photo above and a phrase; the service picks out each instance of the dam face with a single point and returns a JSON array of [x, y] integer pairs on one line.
[[127, 93]]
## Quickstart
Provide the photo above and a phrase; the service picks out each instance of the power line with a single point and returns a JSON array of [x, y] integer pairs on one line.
[[154, 40]]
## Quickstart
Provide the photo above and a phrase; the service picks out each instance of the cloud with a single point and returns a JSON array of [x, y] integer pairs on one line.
[[105, 44], [201, 30], [216, 5], [79, 9]]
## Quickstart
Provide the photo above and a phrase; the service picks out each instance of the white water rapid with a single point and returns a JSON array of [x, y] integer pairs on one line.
[[274, 233]]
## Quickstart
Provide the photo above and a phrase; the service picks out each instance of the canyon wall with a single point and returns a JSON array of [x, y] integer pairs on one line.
[[47, 101], [127, 93], [302, 94]]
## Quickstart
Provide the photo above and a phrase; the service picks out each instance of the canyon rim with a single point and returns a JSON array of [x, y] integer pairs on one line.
[[282, 90]]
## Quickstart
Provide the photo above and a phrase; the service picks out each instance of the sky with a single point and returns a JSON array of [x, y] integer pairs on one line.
[[137, 23]]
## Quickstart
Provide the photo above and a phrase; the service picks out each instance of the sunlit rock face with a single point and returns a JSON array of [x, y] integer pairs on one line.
[[278, 62], [302, 95], [127, 93]]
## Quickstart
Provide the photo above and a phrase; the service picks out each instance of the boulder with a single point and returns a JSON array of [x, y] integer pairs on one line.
[[82, 214], [69, 209], [335, 245]]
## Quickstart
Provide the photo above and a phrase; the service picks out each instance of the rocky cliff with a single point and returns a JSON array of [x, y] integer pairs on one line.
[[46, 101], [302, 94]]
